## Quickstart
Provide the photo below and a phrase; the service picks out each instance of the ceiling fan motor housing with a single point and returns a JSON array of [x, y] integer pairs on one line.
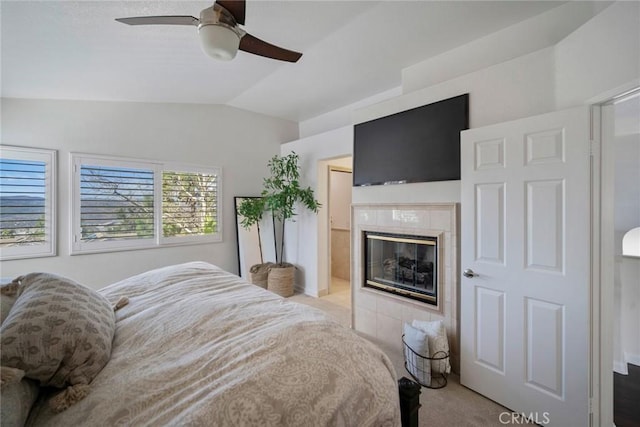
[[219, 33]]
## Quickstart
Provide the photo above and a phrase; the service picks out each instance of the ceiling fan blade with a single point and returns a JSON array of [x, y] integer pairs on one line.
[[254, 45], [160, 20], [235, 7]]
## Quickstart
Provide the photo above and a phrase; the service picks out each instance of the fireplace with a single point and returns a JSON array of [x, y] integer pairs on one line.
[[381, 314], [402, 264]]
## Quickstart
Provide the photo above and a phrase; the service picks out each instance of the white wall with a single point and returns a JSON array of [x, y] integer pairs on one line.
[[532, 83], [601, 55], [302, 244], [491, 101], [512, 89], [531, 35], [239, 142], [342, 116], [516, 88]]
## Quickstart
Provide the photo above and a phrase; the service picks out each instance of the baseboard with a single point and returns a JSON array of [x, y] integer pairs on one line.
[[299, 289], [620, 367], [323, 293], [634, 359]]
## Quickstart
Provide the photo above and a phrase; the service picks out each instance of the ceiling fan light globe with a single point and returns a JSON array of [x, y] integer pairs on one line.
[[218, 41]]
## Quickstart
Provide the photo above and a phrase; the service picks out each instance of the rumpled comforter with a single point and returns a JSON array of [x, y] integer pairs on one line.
[[198, 346]]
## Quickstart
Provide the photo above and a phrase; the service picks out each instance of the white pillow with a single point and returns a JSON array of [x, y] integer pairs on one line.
[[438, 344], [417, 366]]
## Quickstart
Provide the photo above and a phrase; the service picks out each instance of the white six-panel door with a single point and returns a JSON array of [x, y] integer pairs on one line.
[[526, 237]]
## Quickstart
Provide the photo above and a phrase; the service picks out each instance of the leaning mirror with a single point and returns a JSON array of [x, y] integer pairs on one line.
[[256, 244]]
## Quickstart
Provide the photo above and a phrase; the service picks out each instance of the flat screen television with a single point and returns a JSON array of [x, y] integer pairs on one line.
[[417, 145]]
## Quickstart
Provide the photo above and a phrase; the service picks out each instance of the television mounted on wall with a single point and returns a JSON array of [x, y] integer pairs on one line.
[[417, 145]]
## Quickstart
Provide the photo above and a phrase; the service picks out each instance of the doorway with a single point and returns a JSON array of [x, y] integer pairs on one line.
[[620, 215], [339, 233]]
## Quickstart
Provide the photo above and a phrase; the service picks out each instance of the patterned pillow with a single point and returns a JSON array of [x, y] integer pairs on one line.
[[59, 333]]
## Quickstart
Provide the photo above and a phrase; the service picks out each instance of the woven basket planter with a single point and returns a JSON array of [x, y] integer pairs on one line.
[[280, 279], [259, 273]]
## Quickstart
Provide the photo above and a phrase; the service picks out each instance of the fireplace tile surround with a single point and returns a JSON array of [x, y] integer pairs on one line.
[[381, 315]]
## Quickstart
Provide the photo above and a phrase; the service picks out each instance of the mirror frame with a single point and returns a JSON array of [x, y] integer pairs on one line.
[[248, 254]]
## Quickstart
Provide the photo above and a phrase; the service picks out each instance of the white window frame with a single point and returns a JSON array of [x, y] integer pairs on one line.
[[49, 157], [79, 247]]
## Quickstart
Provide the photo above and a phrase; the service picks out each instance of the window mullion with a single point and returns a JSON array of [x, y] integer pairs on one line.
[[76, 229], [157, 203]]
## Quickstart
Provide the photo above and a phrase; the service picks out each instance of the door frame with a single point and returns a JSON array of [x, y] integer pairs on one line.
[[602, 238], [600, 312]]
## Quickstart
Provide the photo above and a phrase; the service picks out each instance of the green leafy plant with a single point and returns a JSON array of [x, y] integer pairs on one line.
[[282, 193], [251, 210]]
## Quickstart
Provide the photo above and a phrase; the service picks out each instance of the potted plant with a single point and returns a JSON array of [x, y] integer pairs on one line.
[[251, 210], [282, 194]]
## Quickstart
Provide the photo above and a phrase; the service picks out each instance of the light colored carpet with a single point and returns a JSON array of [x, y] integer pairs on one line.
[[453, 405], [339, 313]]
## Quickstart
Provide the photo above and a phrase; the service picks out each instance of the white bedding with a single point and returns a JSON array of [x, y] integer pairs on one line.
[[199, 346]]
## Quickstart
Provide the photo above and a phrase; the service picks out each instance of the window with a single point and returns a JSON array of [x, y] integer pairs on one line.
[[116, 205], [27, 202], [121, 204], [189, 204]]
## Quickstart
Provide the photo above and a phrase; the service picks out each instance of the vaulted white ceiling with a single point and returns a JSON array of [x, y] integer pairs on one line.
[[352, 50]]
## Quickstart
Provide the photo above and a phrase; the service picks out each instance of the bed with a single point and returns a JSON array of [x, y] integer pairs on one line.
[[199, 346]]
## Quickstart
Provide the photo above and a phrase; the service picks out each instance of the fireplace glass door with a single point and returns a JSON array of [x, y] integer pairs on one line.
[[402, 264]]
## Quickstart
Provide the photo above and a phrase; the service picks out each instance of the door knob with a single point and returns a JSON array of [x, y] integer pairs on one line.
[[469, 273]]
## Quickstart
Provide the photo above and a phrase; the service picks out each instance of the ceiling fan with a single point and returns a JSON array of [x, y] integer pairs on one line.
[[220, 32]]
